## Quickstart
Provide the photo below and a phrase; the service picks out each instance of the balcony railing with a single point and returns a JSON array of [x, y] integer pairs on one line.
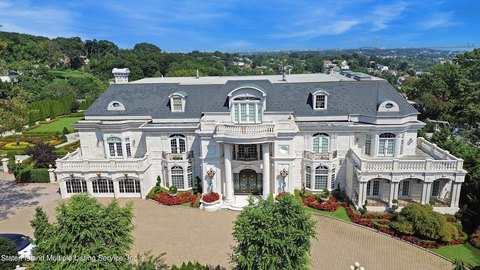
[[75, 162], [178, 156], [444, 161], [320, 156], [246, 130]]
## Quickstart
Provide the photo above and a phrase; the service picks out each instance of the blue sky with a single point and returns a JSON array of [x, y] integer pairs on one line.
[[228, 25]]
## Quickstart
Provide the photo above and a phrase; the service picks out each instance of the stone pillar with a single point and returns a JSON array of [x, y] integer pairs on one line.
[[227, 150], [266, 169], [4, 165], [424, 194], [143, 194], [89, 187], [392, 194], [116, 189], [395, 190], [51, 175], [455, 197], [360, 194], [364, 192], [428, 192]]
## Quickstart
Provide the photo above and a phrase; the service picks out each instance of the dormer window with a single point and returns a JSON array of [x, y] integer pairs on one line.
[[177, 101], [320, 98], [115, 106], [247, 110], [387, 106]]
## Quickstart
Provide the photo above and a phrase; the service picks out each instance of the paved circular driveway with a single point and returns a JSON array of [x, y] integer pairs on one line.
[[187, 234]]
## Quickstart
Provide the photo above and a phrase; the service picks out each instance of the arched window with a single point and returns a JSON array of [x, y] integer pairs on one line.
[[129, 185], [190, 177], [177, 177], [386, 144], [247, 110], [177, 143], [308, 177], [102, 185], [115, 147], [320, 143], [76, 185], [178, 101], [321, 177]]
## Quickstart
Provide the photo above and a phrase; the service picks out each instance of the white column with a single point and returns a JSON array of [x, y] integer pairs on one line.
[[51, 175], [89, 187], [424, 194], [392, 194], [266, 169], [455, 197], [143, 194], [63, 189], [116, 189], [428, 192], [4, 164], [364, 192], [395, 190], [360, 194], [227, 150]]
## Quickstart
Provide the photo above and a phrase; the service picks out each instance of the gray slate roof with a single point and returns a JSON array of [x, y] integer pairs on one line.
[[345, 97]]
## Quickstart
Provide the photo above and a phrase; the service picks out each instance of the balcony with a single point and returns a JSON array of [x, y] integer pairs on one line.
[[429, 157], [320, 156], [178, 156], [246, 130], [74, 162]]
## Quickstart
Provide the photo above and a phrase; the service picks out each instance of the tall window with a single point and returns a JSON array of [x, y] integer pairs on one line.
[[129, 185], [177, 143], [368, 144], [177, 177], [247, 152], [115, 147], [190, 176], [405, 188], [308, 177], [375, 191], [320, 143], [76, 185], [332, 179], [435, 188], [102, 185], [177, 104], [321, 177], [386, 144], [320, 101], [128, 149], [247, 110], [402, 140]]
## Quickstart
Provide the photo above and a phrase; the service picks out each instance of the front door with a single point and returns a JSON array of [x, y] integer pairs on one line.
[[248, 182]]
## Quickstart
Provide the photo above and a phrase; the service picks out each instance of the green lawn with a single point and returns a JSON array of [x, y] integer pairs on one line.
[[341, 213], [65, 74], [57, 125], [465, 253]]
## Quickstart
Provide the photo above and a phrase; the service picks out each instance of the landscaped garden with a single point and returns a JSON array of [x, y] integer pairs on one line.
[[174, 197], [19, 144], [56, 125], [417, 224]]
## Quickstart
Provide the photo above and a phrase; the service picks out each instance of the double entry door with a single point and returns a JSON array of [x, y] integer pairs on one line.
[[247, 182]]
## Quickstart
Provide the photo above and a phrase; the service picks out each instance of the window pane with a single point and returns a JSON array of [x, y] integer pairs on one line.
[[324, 145], [129, 150], [381, 147], [259, 113], [435, 188], [243, 112], [320, 101], [111, 148], [321, 177], [376, 188], [251, 113], [316, 144], [368, 144], [119, 149], [405, 188], [177, 105], [308, 177], [247, 152], [190, 176], [332, 180], [390, 147], [235, 111], [177, 177]]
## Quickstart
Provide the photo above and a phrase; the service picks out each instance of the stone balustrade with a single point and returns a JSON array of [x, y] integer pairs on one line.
[[246, 130], [441, 161], [74, 162], [320, 156]]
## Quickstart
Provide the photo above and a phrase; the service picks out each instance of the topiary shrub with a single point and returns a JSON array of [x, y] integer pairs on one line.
[[65, 130], [402, 226], [173, 189], [475, 238], [7, 248]]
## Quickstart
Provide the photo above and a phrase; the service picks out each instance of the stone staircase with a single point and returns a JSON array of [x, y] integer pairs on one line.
[[239, 201]]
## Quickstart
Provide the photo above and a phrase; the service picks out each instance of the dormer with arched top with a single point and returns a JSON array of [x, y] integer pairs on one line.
[[319, 99], [115, 106], [387, 106], [178, 101], [247, 104]]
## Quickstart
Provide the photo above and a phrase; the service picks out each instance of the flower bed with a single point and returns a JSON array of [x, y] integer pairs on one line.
[[211, 197], [330, 206], [165, 198]]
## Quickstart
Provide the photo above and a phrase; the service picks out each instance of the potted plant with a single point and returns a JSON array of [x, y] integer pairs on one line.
[[394, 205], [325, 196], [211, 201], [173, 191]]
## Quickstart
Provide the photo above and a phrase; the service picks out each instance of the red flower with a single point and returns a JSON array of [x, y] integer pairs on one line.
[[166, 199], [211, 197]]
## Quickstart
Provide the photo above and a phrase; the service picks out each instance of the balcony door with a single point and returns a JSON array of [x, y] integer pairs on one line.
[[247, 182]]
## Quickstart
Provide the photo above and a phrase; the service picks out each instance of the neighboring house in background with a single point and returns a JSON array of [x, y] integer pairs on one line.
[[344, 65], [10, 77], [351, 131]]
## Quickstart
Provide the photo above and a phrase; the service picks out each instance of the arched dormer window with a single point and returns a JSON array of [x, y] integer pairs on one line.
[[386, 144], [115, 106], [320, 99], [115, 147], [247, 104], [177, 101], [177, 143], [387, 106], [321, 142]]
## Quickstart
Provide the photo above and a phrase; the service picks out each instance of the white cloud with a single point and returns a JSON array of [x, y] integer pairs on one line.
[[383, 15], [441, 19]]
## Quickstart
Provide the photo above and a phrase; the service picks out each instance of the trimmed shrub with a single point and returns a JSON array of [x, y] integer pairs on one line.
[[475, 238], [7, 248], [403, 226], [29, 175]]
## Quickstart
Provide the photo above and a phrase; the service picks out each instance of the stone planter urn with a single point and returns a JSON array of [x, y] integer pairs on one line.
[[326, 199], [173, 194], [211, 202]]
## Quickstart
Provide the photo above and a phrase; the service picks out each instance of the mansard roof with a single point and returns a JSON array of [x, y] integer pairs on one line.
[[150, 98]]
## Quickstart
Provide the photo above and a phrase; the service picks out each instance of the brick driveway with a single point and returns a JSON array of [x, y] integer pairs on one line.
[[187, 234]]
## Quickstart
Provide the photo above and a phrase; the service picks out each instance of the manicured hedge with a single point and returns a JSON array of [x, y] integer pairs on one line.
[[50, 108], [29, 175]]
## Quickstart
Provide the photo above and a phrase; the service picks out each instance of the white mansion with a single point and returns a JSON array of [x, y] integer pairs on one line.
[[242, 135]]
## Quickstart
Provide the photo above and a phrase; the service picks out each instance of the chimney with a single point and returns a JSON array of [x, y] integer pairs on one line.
[[198, 74], [121, 75]]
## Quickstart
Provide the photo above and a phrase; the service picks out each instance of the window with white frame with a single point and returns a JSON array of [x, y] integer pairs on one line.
[[247, 110], [402, 142], [332, 178], [321, 143], [177, 104], [128, 149], [321, 177], [129, 185], [115, 147], [436, 188], [386, 144], [177, 143], [177, 177], [102, 185], [405, 188], [320, 101], [308, 177], [375, 190], [76, 185], [368, 144], [178, 101]]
